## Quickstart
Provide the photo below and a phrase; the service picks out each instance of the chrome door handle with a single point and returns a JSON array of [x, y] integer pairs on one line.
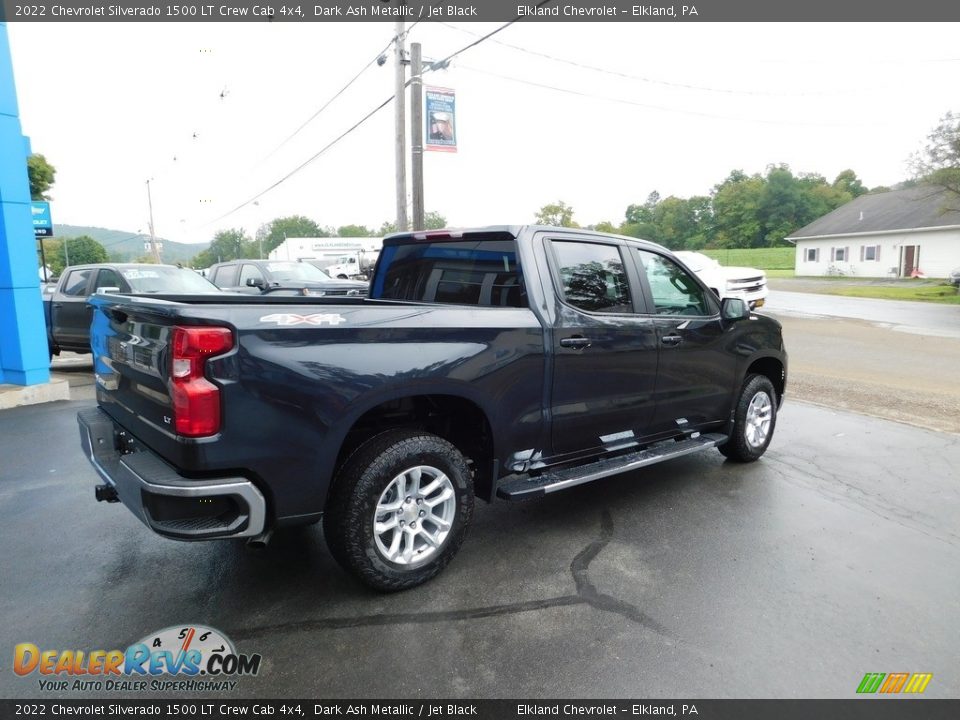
[[577, 341]]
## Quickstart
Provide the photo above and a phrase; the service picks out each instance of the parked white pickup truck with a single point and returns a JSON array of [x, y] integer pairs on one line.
[[748, 284]]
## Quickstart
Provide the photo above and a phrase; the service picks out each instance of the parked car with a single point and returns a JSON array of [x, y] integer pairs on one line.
[[955, 277], [65, 307], [748, 284], [280, 277], [505, 362]]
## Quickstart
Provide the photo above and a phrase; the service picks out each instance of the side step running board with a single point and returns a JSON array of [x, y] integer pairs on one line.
[[529, 487]]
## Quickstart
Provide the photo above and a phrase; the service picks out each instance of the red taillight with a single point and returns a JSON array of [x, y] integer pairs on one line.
[[196, 401]]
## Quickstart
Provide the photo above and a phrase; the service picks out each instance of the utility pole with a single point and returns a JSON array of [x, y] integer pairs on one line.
[[400, 83], [416, 132], [256, 232], [43, 261], [153, 239]]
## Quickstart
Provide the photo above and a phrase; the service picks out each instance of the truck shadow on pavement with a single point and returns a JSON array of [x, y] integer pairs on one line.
[[586, 594]]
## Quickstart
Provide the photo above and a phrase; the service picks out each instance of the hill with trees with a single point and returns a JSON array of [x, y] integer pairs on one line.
[[126, 246]]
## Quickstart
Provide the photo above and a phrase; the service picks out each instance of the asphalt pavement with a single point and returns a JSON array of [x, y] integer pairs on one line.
[[833, 556]]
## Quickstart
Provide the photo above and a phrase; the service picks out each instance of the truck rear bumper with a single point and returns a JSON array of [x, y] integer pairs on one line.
[[166, 502]]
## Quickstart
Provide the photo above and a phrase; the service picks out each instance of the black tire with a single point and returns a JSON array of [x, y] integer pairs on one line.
[[744, 444], [368, 476]]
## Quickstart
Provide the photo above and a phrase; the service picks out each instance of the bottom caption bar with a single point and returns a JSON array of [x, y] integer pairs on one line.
[[867, 709]]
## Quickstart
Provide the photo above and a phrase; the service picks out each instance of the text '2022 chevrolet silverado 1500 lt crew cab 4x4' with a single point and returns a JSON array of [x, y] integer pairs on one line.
[[499, 362]]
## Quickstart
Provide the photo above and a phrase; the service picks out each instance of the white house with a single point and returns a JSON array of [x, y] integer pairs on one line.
[[900, 233]]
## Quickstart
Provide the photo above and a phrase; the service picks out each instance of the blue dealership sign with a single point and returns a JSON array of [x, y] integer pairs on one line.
[[42, 222]]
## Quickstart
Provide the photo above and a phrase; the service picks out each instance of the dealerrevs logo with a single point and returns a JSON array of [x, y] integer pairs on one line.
[[181, 658]]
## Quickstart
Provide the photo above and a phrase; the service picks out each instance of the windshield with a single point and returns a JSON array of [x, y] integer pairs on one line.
[[295, 272], [162, 279]]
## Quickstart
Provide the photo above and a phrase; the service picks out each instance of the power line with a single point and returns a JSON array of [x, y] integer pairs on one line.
[[443, 62], [663, 108], [641, 78], [334, 97], [123, 240], [438, 64], [319, 111], [309, 160]]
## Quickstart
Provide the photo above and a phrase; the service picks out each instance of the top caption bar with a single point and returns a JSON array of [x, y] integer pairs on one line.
[[484, 10]]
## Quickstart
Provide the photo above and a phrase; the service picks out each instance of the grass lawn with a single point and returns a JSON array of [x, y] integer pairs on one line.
[[778, 262], [780, 258], [921, 293]]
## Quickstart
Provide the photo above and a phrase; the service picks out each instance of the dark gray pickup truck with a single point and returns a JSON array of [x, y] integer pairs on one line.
[[498, 362], [65, 307]]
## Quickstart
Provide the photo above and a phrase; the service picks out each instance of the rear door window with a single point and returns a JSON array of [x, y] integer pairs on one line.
[[592, 276], [468, 272], [77, 282], [226, 276], [109, 278]]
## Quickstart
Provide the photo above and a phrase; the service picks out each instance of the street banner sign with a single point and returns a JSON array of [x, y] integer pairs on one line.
[[42, 222], [440, 116]]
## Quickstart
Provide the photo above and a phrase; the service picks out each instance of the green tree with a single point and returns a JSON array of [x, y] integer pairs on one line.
[[640, 214], [354, 231], [760, 211], [736, 211], [558, 214], [432, 220], [227, 245], [678, 223], [781, 206], [639, 219], [42, 176], [272, 234], [820, 197], [938, 163], [700, 212], [605, 226], [847, 181], [81, 251], [743, 211]]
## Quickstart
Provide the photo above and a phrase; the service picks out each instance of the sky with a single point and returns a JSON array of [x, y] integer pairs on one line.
[[207, 113]]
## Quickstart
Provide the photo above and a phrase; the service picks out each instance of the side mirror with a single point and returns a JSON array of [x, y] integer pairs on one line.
[[734, 309], [255, 282]]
